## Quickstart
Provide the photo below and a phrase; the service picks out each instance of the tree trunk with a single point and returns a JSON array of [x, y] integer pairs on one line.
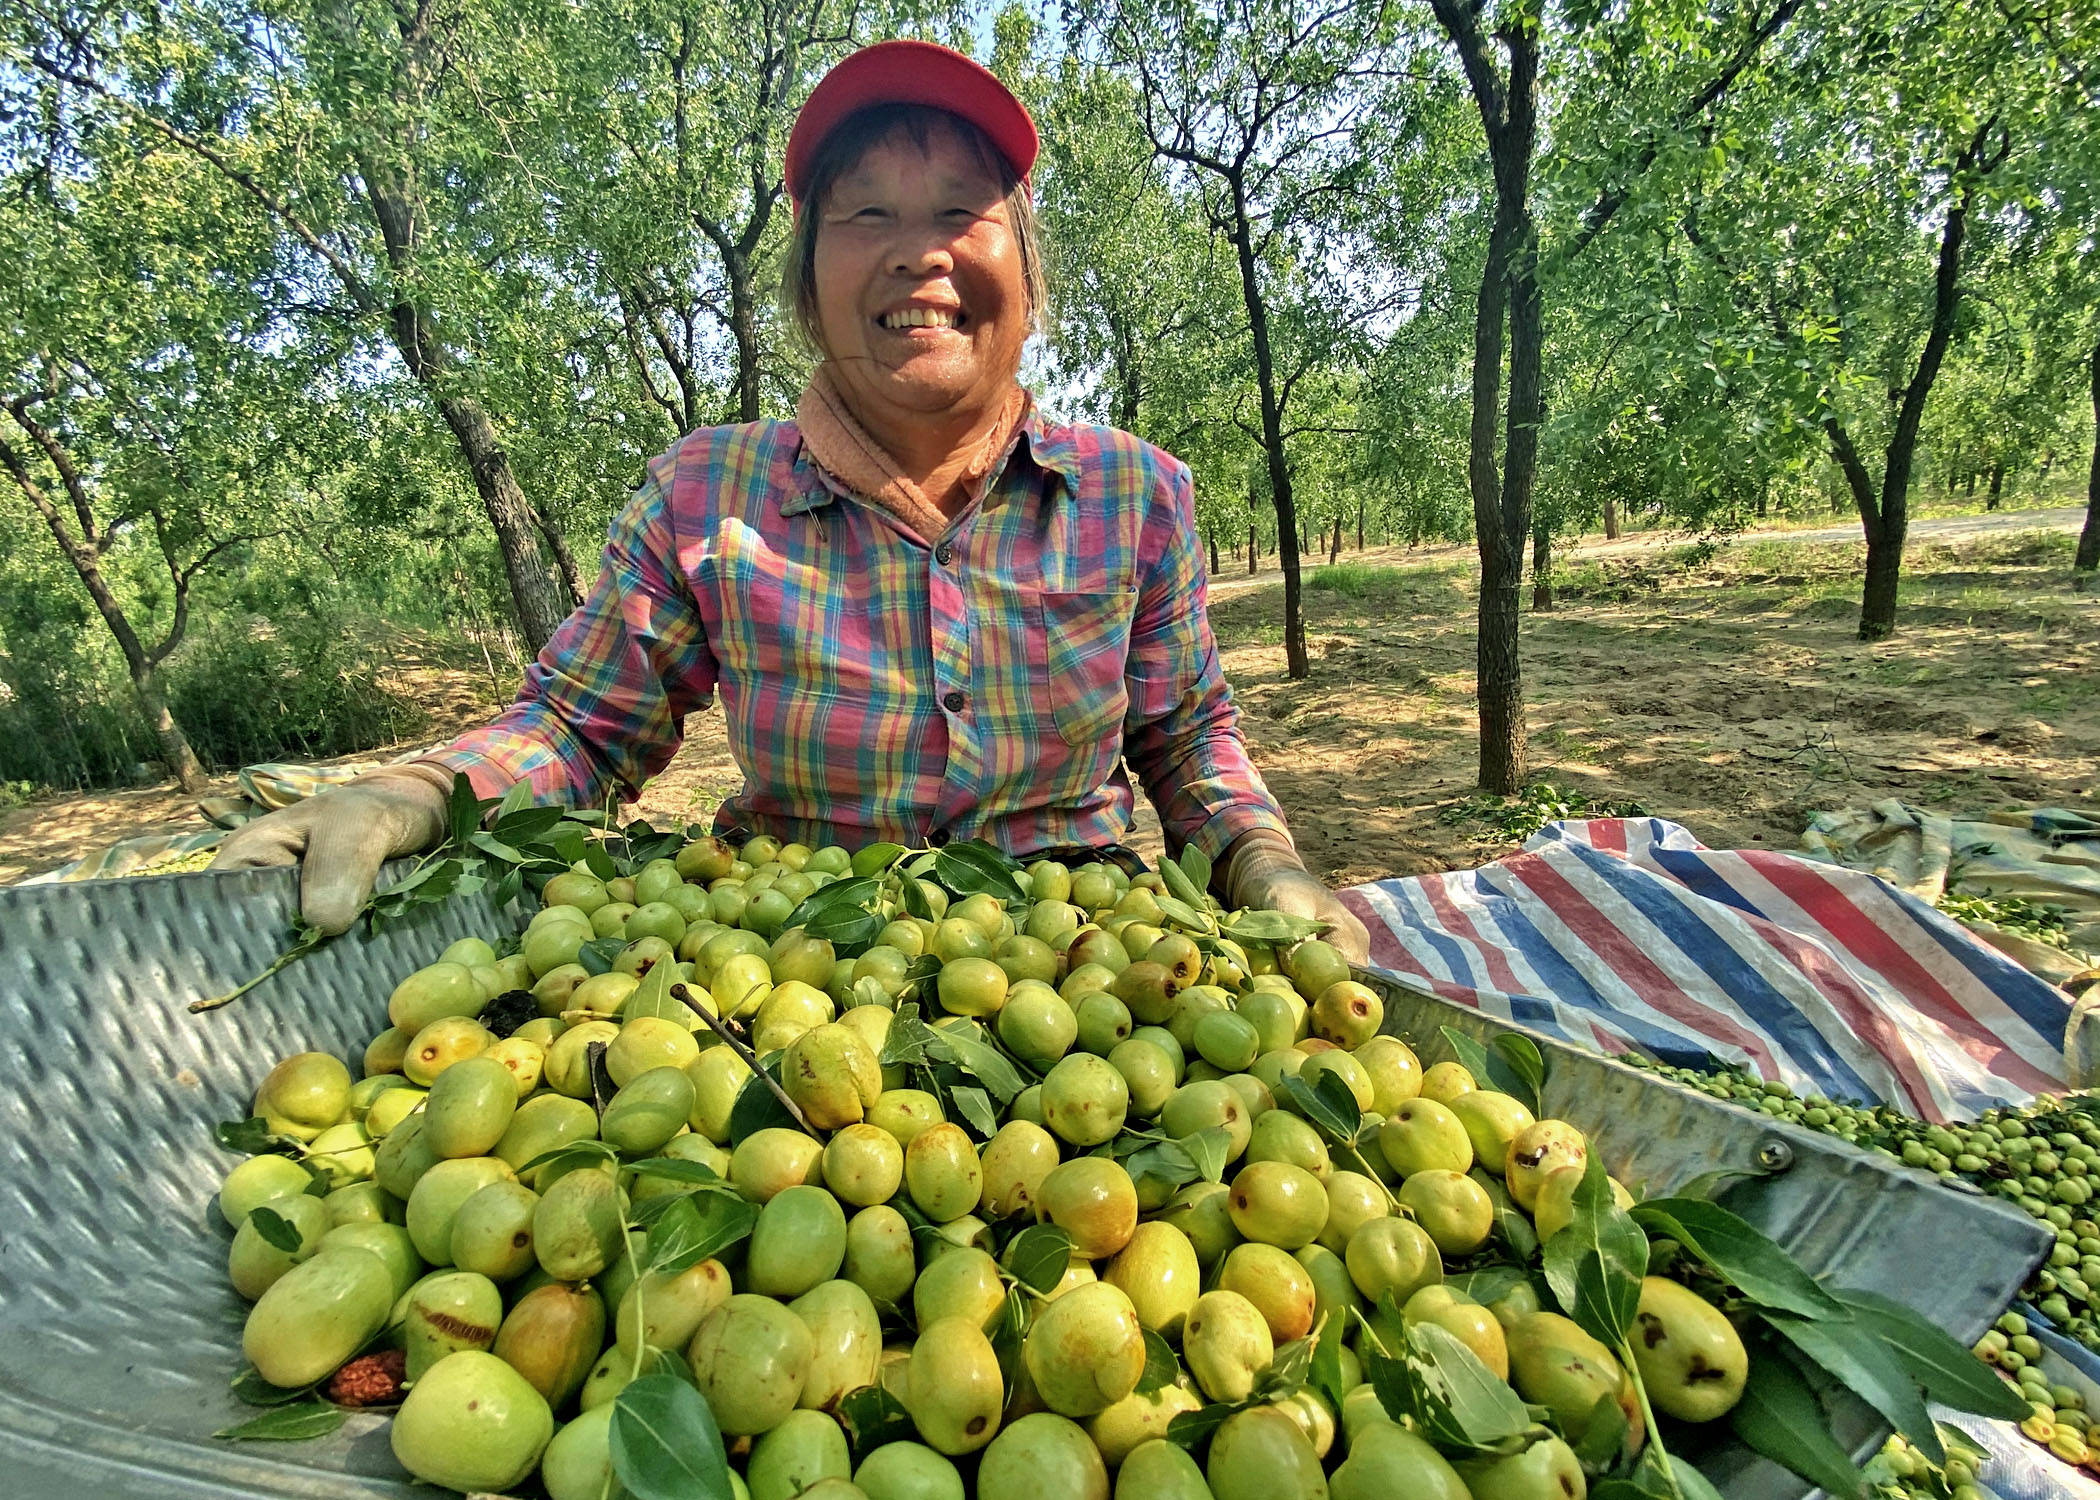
[[1541, 569], [743, 328], [1297, 664], [540, 598], [2088, 558], [564, 559], [1334, 552], [1210, 535], [1611, 520], [81, 552], [1359, 525], [1764, 499], [1253, 550], [1990, 501]]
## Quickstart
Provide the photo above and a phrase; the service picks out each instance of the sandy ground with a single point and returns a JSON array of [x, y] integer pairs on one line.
[[1731, 697]]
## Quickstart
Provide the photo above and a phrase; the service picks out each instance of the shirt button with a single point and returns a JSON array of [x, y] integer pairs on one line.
[[944, 554], [953, 700], [938, 838]]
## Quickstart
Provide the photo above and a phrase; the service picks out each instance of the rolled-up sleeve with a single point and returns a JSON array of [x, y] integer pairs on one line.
[[605, 702], [1181, 734]]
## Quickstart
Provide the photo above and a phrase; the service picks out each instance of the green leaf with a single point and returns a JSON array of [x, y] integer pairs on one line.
[[853, 894], [1195, 864], [1595, 1265], [981, 1060], [1486, 1284], [1781, 1417], [665, 1445], [1744, 1257], [1287, 1370], [1860, 1362], [252, 1137], [1482, 1404], [1329, 1104], [575, 1154], [913, 896], [976, 1110], [252, 1390], [1160, 1367], [1326, 1372], [1950, 1373], [1470, 1054], [677, 1169], [1192, 1429], [1209, 1150], [489, 844], [1271, 929], [696, 1227], [876, 859], [462, 809], [531, 826], [516, 798], [972, 868], [758, 1108], [1525, 1067], [288, 1424], [1039, 1256], [906, 1045], [1181, 887], [873, 1417], [600, 954], [1181, 914], [276, 1231], [1603, 1433]]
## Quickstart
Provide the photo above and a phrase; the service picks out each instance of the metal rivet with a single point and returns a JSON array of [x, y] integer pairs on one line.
[[1774, 1155]]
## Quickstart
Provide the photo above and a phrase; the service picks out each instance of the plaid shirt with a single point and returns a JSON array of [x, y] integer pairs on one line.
[[878, 687]]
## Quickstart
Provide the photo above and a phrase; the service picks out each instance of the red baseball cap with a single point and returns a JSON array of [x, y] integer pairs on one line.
[[909, 72]]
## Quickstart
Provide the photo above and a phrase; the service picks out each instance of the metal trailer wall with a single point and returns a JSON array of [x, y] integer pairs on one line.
[[119, 1334]]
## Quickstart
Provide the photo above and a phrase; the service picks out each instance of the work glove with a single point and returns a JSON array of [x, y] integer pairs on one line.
[[344, 835], [1262, 869]]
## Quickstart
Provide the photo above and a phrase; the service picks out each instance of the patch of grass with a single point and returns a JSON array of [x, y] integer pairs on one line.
[[1516, 818], [14, 794], [1357, 580]]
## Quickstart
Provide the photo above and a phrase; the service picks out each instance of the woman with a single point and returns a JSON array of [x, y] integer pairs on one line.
[[929, 611]]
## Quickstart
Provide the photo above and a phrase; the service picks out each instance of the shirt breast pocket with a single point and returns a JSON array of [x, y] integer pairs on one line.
[[1086, 647]]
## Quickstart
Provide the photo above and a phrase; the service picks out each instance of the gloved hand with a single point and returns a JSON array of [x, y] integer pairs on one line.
[[344, 835], [1262, 869]]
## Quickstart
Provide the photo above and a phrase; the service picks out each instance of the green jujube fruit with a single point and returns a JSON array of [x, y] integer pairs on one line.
[[1278, 1204], [1138, 1418], [1492, 1120], [863, 1165], [665, 1310], [389, 1242], [908, 1471], [254, 1265], [1261, 1454], [1279, 1287], [615, 1371], [1014, 1163], [963, 1283], [1085, 1350], [1157, 1271], [1690, 1357], [440, 1193], [1043, 1454], [544, 1123], [492, 1232], [362, 1203], [799, 1240], [552, 1336], [445, 1312], [260, 1180], [953, 1388], [768, 1160], [941, 1172], [718, 1075], [1547, 1470], [399, 1161], [1385, 1460], [648, 1111], [845, 1341], [1554, 1363], [1392, 1254], [316, 1316], [749, 1358], [469, 1107], [433, 993], [471, 1423], [576, 1226], [805, 1449], [1282, 1136], [880, 1259], [1085, 1100], [1160, 1470], [1226, 1344], [578, 1462]]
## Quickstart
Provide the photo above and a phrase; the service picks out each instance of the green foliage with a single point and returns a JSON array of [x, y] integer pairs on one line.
[[1517, 817]]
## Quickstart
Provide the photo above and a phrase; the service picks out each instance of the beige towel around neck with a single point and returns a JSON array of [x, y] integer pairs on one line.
[[846, 451]]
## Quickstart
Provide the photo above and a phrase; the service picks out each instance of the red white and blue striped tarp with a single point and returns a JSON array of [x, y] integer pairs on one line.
[[1618, 933]]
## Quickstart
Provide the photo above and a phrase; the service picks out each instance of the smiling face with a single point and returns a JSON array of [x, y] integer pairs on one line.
[[921, 291]]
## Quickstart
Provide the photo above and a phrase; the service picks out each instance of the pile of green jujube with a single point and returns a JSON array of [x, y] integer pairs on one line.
[[2044, 1157], [1046, 1181]]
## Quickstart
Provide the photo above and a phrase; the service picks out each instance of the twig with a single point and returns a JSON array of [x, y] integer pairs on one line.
[[743, 1050]]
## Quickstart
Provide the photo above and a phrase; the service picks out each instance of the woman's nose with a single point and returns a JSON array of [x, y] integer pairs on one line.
[[923, 250]]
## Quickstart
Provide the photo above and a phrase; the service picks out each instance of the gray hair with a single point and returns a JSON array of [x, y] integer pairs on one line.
[[843, 150]]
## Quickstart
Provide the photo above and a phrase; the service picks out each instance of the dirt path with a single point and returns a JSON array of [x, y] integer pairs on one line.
[[1235, 579]]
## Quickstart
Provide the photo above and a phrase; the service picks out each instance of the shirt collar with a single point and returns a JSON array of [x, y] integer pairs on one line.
[[1048, 444]]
